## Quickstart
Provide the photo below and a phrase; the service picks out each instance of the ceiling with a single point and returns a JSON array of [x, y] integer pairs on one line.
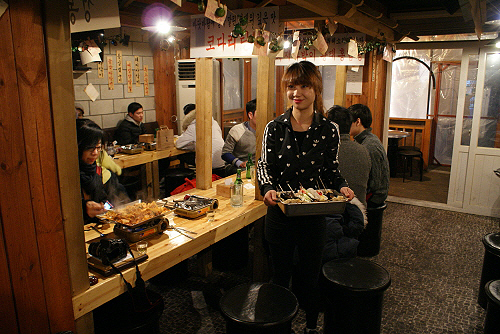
[[388, 19]]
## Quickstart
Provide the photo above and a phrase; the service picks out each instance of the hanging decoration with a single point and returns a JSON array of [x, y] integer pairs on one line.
[[374, 45], [239, 29]]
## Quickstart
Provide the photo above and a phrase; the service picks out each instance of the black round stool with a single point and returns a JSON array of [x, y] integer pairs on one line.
[[253, 308], [492, 320], [174, 177], [369, 240], [354, 289], [491, 264]]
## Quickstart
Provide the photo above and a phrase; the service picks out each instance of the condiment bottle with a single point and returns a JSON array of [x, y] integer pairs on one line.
[[237, 191], [249, 166]]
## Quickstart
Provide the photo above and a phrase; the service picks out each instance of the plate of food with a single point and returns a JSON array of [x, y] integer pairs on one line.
[[134, 213]]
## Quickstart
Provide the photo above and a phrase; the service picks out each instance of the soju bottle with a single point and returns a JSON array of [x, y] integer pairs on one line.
[[237, 191], [249, 166]]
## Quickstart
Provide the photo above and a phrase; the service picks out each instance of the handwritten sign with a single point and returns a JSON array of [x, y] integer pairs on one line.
[[87, 15], [100, 70], [119, 66], [129, 76], [209, 39], [146, 81], [111, 83], [137, 73], [335, 55]]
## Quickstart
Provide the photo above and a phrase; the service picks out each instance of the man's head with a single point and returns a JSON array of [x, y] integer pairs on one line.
[[188, 108], [250, 108], [361, 118], [342, 117], [136, 112]]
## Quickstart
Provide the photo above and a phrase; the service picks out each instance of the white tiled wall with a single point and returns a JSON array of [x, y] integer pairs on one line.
[[111, 105]]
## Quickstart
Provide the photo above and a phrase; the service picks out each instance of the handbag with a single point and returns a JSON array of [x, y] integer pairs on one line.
[[137, 310]]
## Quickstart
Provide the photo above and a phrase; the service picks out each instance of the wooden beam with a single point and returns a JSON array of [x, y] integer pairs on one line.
[[339, 97], [325, 8], [204, 95], [265, 102]]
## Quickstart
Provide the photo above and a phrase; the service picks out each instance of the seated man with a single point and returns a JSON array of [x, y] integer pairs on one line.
[[131, 127], [378, 182], [187, 141], [354, 159], [240, 141]]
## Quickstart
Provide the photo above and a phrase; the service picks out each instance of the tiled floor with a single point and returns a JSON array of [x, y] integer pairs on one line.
[[434, 258]]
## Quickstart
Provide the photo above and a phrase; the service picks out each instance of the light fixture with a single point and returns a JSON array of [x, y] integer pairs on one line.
[[163, 27], [494, 42], [287, 44], [171, 38]]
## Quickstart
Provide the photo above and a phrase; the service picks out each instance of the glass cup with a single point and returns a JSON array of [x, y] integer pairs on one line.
[[211, 216], [142, 247], [252, 173]]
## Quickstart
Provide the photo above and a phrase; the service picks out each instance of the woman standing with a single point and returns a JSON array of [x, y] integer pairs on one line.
[[299, 148]]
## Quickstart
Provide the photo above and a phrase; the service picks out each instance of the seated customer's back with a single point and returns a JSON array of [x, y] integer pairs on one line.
[[354, 159]]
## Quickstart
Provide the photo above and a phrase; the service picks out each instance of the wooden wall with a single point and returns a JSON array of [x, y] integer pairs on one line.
[[374, 88], [36, 289]]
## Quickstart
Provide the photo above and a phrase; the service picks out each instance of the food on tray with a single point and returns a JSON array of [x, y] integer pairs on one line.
[[135, 213], [309, 195]]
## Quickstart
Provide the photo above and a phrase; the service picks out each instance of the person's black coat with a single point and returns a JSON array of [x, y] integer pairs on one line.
[[128, 132], [342, 231]]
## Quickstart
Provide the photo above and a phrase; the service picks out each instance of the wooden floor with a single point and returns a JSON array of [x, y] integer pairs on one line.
[[433, 188]]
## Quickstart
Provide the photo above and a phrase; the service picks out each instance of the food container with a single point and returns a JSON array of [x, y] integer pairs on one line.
[[146, 138], [195, 206], [312, 208], [132, 149]]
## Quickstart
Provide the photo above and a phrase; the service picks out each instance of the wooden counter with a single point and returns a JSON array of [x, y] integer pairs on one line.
[[170, 248], [149, 159]]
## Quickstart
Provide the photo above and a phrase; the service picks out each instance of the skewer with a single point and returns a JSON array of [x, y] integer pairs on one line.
[[324, 187], [288, 184], [281, 188]]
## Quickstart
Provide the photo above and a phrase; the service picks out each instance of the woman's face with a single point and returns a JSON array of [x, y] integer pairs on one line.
[[301, 96], [90, 154]]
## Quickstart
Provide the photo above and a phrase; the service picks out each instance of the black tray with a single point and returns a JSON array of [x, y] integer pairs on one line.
[[313, 208]]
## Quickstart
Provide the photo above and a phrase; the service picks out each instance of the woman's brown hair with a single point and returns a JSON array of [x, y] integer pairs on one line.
[[305, 73]]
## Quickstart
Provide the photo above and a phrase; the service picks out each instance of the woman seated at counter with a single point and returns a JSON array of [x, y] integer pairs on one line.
[[98, 180]]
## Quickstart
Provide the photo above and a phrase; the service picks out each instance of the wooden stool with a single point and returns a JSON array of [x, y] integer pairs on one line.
[[259, 308], [492, 320], [354, 290], [491, 264], [408, 156]]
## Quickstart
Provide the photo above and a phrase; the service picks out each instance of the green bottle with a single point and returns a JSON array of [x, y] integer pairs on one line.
[[249, 166], [237, 191]]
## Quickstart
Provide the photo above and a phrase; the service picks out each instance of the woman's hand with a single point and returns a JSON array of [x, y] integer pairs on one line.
[[94, 208], [347, 192], [270, 198]]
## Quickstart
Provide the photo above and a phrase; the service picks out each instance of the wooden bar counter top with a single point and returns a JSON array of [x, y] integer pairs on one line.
[[166, 250]]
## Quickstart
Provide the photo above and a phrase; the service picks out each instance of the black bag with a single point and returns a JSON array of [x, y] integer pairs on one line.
[[137, 310]]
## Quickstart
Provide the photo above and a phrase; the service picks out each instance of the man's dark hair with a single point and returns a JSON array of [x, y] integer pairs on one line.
[[188, 108], [362, 112], [342, 117], [133, 107], [251, 106]]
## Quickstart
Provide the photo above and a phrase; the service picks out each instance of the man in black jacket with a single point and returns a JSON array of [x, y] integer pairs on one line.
[[131, 127]]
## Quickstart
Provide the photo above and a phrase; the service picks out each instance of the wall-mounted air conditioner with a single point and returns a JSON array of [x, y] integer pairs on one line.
[[185, 80]]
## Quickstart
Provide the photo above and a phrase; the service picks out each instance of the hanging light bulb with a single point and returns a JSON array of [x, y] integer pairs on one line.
[[287, 44], [162, 27], [171, 39]]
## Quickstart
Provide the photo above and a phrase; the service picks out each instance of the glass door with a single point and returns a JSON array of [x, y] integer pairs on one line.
[[474, 185]]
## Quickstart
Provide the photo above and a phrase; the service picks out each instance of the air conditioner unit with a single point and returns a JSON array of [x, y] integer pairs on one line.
[[185, 80]]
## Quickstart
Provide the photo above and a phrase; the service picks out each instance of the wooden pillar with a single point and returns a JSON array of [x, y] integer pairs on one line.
[[165, 92], [204, 95], [32, 232], [265, 102], [339, 97]]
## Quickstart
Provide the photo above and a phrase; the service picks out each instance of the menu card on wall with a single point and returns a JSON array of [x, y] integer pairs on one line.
[[119, 66], [111, 83], [129, 76], [100, 70], [146, 81], [137, 73]]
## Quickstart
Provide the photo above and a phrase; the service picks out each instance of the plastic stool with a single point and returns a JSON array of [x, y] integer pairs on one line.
[[253, 308], [491, 264], [354, 290], [369, 240], [408, 156], [174, 177], [492, 320]]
